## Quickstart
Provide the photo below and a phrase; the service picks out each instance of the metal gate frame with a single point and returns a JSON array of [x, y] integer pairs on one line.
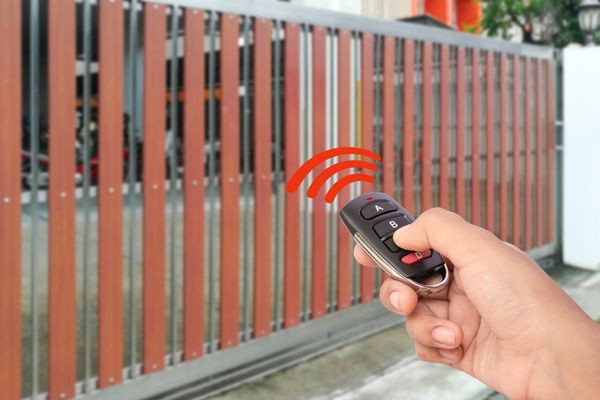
[[304, 330]]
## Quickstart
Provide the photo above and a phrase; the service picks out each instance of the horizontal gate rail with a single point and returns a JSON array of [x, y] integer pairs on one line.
[[336, 20]]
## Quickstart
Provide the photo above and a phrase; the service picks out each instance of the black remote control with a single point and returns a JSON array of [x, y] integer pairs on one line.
[[372, 220]]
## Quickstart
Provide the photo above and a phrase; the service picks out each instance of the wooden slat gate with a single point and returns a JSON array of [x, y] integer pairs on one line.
[[163, 233]]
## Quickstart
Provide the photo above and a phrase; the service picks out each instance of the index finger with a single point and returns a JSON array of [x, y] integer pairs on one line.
[[363, 258], [450, 235]]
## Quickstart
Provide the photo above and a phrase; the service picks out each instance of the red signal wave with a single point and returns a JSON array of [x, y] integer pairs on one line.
[[320, 180]]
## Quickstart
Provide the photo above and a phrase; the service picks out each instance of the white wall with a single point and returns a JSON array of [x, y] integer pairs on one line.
[[581, 197], [347, 6], [385, 9]]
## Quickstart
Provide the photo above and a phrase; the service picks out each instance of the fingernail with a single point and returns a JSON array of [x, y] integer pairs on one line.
[[449, 354], [396, 301], [444, 335]]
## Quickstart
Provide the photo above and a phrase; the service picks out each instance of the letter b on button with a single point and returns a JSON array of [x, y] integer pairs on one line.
[[388, 226]]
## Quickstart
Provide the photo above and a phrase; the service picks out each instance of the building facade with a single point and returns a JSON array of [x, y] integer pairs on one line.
[[459, 14]]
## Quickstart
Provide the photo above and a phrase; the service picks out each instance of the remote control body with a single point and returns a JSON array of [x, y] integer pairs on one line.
[[372, 220]]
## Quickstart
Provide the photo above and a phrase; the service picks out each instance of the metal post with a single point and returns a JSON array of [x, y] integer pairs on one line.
[[173, 117], [355, 121], [331, 73], [418, 94], [246, 182], [278, 176], [87, 49], [212, 183], [399, 119], [378, 79], [34, 82], [132, 177], [306, 77]]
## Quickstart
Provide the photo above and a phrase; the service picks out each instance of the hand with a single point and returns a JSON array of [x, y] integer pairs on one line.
[[501, 320]]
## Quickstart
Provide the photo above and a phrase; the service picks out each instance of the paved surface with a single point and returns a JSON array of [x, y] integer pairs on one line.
[[384, 366], [414, 379]]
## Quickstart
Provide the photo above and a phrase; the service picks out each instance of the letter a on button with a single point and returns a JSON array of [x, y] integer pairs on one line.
[[378, 208]]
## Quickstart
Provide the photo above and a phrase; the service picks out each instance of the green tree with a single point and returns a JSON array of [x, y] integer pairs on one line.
[[548, 22]]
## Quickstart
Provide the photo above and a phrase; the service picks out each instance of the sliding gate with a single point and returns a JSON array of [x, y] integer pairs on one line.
[[147, 242]]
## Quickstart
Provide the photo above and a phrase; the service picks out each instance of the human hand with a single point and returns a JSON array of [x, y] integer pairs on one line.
[[501, 320]]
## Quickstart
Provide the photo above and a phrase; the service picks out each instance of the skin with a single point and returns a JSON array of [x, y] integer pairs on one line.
[[501, 319]]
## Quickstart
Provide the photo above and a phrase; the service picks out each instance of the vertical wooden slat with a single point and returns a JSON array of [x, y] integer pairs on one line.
[[10, 204], [193, 186], [61, 202], [230, 181], [408, 126], [292, 161], [444, 144], [461, 88], [550, 174], [319, 216], [490, 176], [516, 115], [367, 62], [503, 147], [388, 114], [540, 203], [475, 137], [388, 120], [528, 157], [263, 178], [110, 198], [155, 24], [427, 134], [344, 241]]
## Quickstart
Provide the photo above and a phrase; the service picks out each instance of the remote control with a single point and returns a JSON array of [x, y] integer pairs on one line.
[[372, 220]]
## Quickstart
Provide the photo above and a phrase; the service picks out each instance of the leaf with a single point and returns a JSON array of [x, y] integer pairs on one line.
[[558, 20]]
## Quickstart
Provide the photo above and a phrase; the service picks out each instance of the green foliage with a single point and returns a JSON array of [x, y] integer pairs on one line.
[[549, 22]]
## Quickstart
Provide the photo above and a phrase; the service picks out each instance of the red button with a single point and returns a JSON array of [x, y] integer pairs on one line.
[[415, 257]]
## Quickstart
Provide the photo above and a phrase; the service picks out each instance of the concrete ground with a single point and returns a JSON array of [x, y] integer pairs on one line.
[[384, 365]]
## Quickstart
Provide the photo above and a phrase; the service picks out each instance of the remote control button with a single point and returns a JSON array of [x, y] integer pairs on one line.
[[376, 208], [389, 243], [415, 257], [388, 226]]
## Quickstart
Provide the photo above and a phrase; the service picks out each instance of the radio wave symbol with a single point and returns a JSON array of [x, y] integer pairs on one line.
[[320, 180]]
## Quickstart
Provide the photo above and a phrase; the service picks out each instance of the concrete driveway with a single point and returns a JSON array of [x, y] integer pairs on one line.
[[384, 365]]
